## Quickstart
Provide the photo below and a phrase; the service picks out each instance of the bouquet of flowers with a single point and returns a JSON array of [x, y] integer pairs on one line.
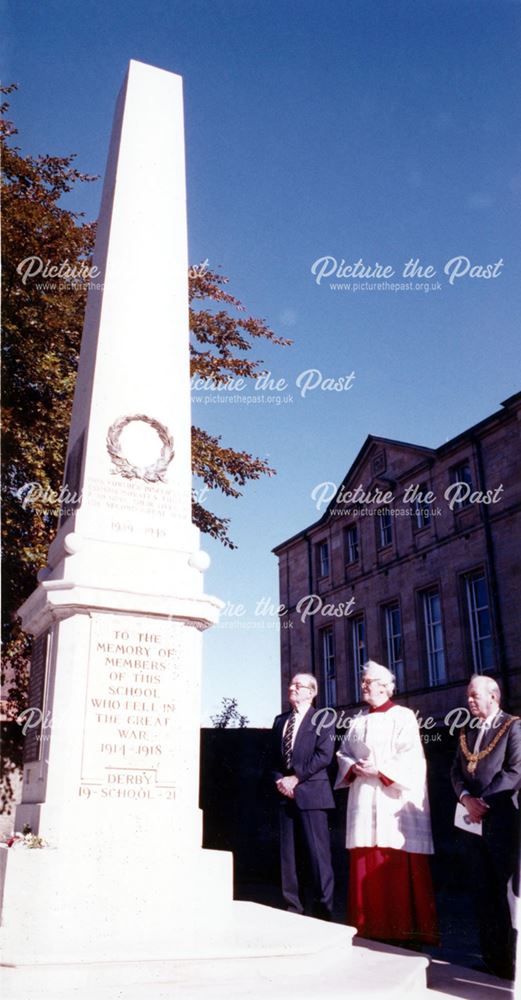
[[32, 841]]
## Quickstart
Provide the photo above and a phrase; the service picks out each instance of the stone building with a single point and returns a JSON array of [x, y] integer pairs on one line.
[[415, 563]]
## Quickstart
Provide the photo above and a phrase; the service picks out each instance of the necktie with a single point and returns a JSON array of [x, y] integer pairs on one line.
[[287, 747]]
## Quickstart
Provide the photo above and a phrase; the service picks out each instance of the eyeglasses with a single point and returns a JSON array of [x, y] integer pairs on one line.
[[298, 687]]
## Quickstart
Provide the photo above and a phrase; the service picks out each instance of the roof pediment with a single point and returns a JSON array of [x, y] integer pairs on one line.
[[380, 463], [373, 474]]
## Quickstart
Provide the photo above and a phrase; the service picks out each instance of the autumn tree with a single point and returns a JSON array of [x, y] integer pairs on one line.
[[219, 350], [42, 324], [40, 345]]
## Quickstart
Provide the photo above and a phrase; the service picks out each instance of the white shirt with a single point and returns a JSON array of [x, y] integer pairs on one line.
[[484, 727], [300, 712]]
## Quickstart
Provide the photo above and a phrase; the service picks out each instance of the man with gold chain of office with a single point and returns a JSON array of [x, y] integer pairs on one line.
[[486, 777]]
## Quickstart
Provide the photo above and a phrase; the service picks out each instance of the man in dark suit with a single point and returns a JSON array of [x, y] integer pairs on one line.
[[301, 756], [486, 776]]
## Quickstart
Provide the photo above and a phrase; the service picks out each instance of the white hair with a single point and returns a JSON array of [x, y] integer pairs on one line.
[[492, 686], [380, 673]]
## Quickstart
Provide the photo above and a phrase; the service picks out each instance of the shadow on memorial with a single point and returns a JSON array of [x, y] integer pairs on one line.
[[240, 813]]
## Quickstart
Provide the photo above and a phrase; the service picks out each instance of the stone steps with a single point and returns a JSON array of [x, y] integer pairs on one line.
[[252, 952], [355, 973], [258, 952]]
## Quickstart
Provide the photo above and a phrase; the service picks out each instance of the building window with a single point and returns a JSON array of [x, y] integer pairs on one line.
[[393, 636], [323, 558], [328, 664], [480, 622], [385, 529], [434, 637], [359, 653], [352, 545], [421, 510], [461, 474]]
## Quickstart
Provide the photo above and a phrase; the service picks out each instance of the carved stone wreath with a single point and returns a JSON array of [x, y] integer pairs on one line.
[[150, 473]]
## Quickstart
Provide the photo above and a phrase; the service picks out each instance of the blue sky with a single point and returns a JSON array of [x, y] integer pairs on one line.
[[377, 130]]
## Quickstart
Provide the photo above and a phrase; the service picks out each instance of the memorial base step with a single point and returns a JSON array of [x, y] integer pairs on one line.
[[260, 952]]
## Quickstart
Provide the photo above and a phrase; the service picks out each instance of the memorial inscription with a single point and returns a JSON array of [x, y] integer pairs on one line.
[[152, 506], [129, 735]]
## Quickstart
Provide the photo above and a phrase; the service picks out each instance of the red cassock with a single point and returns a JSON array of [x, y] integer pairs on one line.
[[391, 896], [388, 835]]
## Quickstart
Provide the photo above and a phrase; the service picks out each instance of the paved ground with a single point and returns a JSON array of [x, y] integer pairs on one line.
[[456, 966]]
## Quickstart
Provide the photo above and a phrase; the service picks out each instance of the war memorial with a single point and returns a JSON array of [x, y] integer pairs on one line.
[[123, 902]]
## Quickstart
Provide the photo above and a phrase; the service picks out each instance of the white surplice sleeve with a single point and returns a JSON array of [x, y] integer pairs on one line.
[[351, 749], [401, 759]]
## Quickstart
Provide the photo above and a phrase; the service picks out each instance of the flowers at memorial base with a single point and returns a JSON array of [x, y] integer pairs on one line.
[[31, 841]]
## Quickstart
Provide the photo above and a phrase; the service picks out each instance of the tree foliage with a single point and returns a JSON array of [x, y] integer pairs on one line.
[[40, 348], [42, 324], [220, 342], [229, 717]]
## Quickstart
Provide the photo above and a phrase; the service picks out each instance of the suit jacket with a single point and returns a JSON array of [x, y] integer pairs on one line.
[[498, 774], [496, 778], [312, 755]]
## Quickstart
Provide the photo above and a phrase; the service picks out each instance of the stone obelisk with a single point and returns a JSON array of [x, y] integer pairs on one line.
[[111, 777]]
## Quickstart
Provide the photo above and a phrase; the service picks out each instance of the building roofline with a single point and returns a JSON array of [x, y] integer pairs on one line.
[[370, 440], [506, 405], [375, 439], [299, 534]]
